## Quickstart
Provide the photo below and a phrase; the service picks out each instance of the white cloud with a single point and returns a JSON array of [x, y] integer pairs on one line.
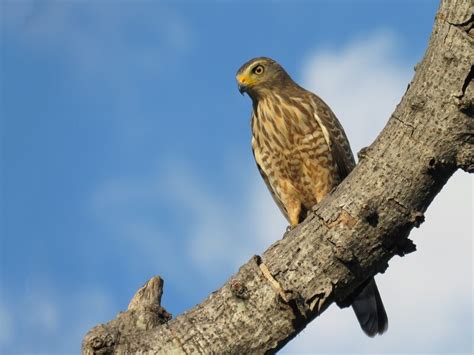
[[361, 82], [428, 294]]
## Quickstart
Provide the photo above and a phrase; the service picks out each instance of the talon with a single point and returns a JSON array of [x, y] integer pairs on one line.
[[287, 230]]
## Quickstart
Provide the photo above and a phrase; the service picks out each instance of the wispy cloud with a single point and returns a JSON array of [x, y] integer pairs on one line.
[[107, 49], [6, 324], [45, 311], [98, 37], [213, 236]]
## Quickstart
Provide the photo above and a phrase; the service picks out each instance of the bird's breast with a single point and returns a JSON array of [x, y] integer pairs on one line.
[[289, 145], [286, 128]]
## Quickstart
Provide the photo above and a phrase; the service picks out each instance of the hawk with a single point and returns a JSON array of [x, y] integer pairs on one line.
[[302, 153]]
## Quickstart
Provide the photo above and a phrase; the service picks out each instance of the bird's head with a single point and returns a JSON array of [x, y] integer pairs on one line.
[[259, 75]]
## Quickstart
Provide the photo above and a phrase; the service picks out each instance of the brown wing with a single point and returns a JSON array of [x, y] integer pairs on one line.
[[269, 186], [337, 139]]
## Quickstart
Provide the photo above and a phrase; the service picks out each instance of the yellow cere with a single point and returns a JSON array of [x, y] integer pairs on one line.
[[244, 79]]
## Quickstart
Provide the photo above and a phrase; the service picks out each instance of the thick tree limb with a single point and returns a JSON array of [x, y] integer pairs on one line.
[[349, 237]]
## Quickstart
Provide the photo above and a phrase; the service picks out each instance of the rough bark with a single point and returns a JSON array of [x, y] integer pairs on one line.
[[351, 234]]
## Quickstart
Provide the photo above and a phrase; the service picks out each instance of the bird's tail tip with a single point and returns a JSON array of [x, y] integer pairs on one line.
[[370, 311]]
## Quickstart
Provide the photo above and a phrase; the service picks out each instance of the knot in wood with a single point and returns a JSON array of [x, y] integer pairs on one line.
[[102, 343], [448, 56], [96, 343], [432, 163], [437, 168], [417, 103], [239, 290], [369, 214]]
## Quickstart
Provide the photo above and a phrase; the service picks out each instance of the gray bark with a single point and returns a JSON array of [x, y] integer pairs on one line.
[[349, 237]]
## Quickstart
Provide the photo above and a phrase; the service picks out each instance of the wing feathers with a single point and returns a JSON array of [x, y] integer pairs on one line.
[[335, 137]]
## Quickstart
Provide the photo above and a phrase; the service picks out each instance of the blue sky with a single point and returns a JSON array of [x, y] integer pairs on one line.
[[126, 153]]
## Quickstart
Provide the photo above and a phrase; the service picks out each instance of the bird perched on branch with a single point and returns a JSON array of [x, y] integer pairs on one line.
[[302, 153]]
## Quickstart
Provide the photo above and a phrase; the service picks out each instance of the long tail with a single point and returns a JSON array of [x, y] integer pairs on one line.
[[370, 311]]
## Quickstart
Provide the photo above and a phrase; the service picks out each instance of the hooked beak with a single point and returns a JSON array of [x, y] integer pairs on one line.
[[242, 88], [242, 83]]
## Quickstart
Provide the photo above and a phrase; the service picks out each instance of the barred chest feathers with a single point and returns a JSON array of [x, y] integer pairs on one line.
[[292, 150]]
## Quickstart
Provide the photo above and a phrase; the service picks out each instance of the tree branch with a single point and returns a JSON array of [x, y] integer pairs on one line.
[[349, 237]]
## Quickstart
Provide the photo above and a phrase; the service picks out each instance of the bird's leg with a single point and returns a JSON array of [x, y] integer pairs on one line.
[[294, 215], [294, 210]]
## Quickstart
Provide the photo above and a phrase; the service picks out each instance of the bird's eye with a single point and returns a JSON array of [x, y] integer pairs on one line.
[[258, 69]]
